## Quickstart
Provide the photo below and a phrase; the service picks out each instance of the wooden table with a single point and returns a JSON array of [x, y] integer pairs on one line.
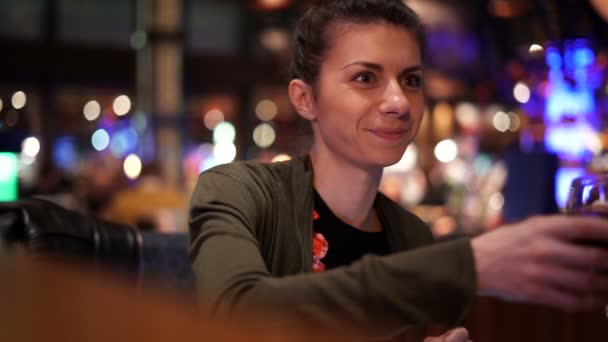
[[42, 301]]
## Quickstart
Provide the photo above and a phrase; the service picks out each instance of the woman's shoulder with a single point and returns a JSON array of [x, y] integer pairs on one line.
[[260, 173]]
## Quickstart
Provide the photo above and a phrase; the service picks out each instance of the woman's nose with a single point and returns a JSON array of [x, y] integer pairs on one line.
[[394, 101]]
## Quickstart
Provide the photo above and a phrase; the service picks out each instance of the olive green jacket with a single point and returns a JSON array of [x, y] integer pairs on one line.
[[251, 247]]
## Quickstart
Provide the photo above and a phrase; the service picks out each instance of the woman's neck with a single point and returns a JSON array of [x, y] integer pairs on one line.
[[348, 190]]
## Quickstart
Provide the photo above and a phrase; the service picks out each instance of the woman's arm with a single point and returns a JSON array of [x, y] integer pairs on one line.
[[378, 295]]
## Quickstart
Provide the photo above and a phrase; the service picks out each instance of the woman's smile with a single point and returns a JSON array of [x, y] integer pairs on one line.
[[389, 134]]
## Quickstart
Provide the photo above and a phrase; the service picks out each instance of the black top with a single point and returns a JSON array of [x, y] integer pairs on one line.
[[345, 243]]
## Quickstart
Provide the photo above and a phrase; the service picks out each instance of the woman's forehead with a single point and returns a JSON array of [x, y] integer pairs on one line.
[[374, 42]]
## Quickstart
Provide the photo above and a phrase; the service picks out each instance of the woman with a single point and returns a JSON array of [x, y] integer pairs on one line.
[[357, 73]]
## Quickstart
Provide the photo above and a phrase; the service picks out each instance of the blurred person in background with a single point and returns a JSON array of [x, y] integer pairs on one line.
[[314, 242], [151, 204]]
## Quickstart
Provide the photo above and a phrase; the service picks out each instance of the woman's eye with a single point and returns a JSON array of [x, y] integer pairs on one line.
[[412, 81], [365, 78]]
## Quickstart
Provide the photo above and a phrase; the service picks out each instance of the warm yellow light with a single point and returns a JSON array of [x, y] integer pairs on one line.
[[281, 157], [121, 105], [132, 166], [446, 151], [535, 48], [213, 118], [467, 114], [521, 92], [515, 122], [30, 147], [18, 100], [501, 121], [266, 110], [273, 4], [224, 152], [264, 135], [497, 201], [91, 110]]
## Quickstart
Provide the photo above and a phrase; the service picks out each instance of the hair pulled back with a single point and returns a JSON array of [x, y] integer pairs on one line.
[[312, 36]]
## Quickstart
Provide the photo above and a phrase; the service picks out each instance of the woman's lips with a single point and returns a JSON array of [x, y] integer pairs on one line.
[[390, 134]]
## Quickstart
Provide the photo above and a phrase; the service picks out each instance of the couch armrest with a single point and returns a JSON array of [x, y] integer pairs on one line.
[[47, 228]]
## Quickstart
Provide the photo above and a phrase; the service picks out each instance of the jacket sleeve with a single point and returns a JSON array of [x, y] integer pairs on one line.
[[377, 295]]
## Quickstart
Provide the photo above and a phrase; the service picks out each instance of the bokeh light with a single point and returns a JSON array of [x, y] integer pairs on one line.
[[266, 110], [497, 201], [264, 135], [521, 92], [446, 151], [132, 166], [65, 154], [467, 114], [213, 118], [100, 139], [501, 121], [138, 40], [273, 4], [9, 173], [593, 142], [121, 105], [275, 40], [535, 48], [1, 105], [139, 121], [515, 122], [26, 160], [19, 99], [224, 132], [91, 110], [224, 152], [30, 147], [281, 157], [123, 142]]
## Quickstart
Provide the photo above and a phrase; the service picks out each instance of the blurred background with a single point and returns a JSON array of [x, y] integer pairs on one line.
[[113, 107]]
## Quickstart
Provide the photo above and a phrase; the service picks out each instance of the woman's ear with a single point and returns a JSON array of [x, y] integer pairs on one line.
[[301, 96]]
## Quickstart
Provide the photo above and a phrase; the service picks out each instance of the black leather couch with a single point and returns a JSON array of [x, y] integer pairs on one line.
[[48, 230]]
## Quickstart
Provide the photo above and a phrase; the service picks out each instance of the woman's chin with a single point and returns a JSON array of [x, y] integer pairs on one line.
[[386, 159]]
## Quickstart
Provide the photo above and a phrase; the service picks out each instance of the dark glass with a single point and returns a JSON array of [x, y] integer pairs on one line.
[[589, 197]]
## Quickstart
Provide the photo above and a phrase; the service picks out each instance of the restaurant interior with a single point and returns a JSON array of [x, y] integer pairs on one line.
[[112, 109]]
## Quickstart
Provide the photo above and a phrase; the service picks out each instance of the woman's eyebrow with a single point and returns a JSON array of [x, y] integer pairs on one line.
[[368, 65], [378, 67], [412, 69]]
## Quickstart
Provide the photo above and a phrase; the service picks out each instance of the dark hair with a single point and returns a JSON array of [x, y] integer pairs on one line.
[[311, 35]]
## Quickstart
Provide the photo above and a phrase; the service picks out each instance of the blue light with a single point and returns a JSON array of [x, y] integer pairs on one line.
[[139, 121], [567, 101], [100, 139], [124, 142], [554, 60], [64, 153], [583, 57], [567, 140], [208, 163], [563, 180]]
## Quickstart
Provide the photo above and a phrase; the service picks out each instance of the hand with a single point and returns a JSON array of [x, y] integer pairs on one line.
[[537, 261], [454, 335]]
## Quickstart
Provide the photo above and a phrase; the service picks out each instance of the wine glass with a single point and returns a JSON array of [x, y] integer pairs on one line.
[[589, 196]]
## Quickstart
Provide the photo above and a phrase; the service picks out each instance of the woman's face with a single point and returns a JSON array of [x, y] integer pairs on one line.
[[368, 98]]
